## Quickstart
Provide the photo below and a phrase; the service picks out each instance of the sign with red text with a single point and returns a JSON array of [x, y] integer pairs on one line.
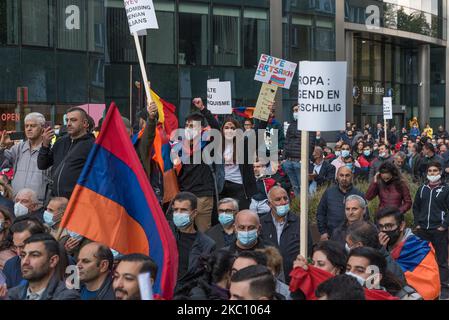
[[275, 71]]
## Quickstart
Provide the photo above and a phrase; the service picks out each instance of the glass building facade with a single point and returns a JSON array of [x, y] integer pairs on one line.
[[55, 54]]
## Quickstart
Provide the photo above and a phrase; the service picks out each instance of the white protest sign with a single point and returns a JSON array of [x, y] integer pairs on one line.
[[219, 97], [141, 15], [388, 108], [322, 95], [275, 71], [146, 292]]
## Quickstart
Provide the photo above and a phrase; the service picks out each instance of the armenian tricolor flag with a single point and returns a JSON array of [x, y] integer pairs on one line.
[[417, 259], [113, 203], [244, 112]]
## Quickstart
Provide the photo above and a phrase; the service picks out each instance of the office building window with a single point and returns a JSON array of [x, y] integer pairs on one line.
[[96, 25], [227, 41], [193, 34], [161, 42], [256, 35], [37, 23], [72, 24], [8, 22]]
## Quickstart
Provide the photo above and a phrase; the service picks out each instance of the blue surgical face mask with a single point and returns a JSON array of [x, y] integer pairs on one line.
[[345, 153], [75, 235], [282, 210], [181, 220], [247, 238], [367, 153], [349, 165], [226, 218], [48, 219], [337, 153], [115, 253]]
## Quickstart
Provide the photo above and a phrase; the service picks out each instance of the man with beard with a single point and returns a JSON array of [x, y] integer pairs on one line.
[[95, 262], [126, 284], [43, 269], [415, 255]]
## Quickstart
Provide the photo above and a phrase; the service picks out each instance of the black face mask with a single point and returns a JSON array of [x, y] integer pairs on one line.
[[393, 235]]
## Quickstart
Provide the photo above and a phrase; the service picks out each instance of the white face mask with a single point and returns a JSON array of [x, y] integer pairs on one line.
[[56, 131], [20, 210], [434, 179], [2, 193], [295, 115], [357, 277]]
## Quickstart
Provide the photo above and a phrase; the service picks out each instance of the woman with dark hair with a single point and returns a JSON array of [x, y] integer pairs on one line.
[[391, 189], [211, 280], [236, 176], [326, 255], [369, 267], [6, 252]]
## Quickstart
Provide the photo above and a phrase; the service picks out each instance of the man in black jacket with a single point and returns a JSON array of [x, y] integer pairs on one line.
[[331, 209], [191, 243], [281, 229], [69, 153], [95, 262], [292, 151], [223, 233], [40, 266], [431, 217], [320, 172]]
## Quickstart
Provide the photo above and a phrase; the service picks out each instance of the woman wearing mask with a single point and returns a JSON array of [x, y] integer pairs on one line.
[[236, 175], [5, 238], [391, 189], [366, 159]]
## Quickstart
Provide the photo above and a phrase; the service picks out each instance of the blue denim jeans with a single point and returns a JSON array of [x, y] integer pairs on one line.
[[292, 169]]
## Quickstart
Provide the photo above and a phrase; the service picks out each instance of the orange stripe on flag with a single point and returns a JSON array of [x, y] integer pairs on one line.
[[118, 230]]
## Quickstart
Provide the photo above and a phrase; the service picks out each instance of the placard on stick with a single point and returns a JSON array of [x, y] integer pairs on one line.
[[219, 97], [322, 95], [388, 108], [267, 95], [141, 16], [275, 71]]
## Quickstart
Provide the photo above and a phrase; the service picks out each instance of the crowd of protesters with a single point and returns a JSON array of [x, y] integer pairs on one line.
[[237, 234]]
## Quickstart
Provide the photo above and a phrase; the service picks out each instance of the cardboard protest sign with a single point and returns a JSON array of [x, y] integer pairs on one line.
[[141, 16], [219, 97], [322, 95], [275, 71], [267, 96]]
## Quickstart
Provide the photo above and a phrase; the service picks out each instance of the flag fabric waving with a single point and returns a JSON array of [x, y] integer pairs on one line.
[[113, 203]]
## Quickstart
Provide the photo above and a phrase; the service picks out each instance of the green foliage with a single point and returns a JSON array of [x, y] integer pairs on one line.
[[362, 186]]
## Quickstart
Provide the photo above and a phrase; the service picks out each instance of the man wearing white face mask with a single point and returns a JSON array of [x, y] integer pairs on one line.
[[281, 228], [26, 203], [431, 218], [190, 242]]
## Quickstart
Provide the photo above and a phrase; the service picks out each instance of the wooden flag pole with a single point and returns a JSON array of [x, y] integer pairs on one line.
[[304, 201], [142, 68]]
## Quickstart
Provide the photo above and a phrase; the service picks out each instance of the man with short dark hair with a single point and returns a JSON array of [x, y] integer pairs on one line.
[[223, 233], [253, 283], [191, 243], [384, 156], [21, 230], [69, 153], [340, 287], [429, 156], [415, 255], [126, 282], [39, 263], [95, 262]]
